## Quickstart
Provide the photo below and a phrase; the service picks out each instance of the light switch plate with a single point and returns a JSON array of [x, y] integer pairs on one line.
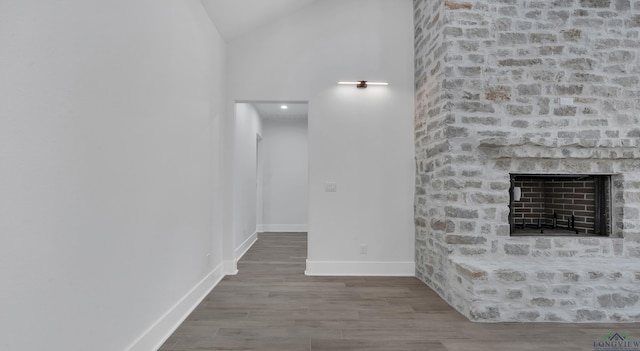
[[330, 187]]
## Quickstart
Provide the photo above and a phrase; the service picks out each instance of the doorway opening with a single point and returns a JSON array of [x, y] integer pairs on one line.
[[282, 167]]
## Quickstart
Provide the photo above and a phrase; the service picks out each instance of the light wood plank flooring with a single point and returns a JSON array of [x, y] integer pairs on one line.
[[272, 305]]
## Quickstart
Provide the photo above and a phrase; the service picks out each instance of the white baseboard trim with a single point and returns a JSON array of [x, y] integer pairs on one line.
[[162, 329], [230, 267], [360, 268], [286, 228], [245, 246]]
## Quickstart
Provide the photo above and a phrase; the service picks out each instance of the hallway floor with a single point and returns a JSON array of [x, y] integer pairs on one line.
[[272, 305]]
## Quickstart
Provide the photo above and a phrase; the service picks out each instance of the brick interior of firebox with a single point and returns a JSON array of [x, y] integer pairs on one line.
[[541, 198]]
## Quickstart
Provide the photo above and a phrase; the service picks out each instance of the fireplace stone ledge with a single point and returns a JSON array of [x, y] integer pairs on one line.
[[546, 290], [525, 148]]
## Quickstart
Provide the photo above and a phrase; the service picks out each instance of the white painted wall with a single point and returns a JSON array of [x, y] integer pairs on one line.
[[285, 175], [259, 176], [247, 127], [358, 140], [361, 139], [109, 127]]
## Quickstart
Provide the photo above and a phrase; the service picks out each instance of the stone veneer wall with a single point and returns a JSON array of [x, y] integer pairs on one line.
[[492, 82], [431, 141]]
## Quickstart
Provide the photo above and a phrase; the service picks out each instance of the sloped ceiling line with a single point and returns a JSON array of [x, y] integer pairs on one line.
[[234, 18]]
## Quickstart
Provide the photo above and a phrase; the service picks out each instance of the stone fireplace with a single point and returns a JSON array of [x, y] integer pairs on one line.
[[542, 96]]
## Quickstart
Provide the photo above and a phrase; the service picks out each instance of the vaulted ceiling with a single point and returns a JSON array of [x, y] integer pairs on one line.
[[234, 18]]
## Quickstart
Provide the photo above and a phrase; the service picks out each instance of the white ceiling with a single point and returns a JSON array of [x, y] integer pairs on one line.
[[234, 18], [272, 110]]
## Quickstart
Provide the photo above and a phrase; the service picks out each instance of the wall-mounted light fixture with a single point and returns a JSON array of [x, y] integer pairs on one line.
[[362, 83]]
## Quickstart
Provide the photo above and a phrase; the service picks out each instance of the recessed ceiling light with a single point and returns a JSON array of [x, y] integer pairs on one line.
[[284, 107]]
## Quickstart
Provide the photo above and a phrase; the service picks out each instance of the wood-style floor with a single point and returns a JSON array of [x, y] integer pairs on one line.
[[272, 305]]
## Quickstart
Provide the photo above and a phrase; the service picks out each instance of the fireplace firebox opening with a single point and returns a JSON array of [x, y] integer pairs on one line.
[[560, 205]]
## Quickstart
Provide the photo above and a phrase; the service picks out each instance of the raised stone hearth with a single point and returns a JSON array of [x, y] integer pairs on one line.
[[547, 289], [517, 88]]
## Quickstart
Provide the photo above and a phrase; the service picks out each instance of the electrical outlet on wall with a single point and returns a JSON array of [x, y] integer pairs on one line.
[[363, 249]]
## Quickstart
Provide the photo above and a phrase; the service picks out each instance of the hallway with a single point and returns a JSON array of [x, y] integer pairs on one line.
[[272, 305]]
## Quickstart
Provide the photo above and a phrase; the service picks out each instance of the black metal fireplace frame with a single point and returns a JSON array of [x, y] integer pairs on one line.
[[602, 213]]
